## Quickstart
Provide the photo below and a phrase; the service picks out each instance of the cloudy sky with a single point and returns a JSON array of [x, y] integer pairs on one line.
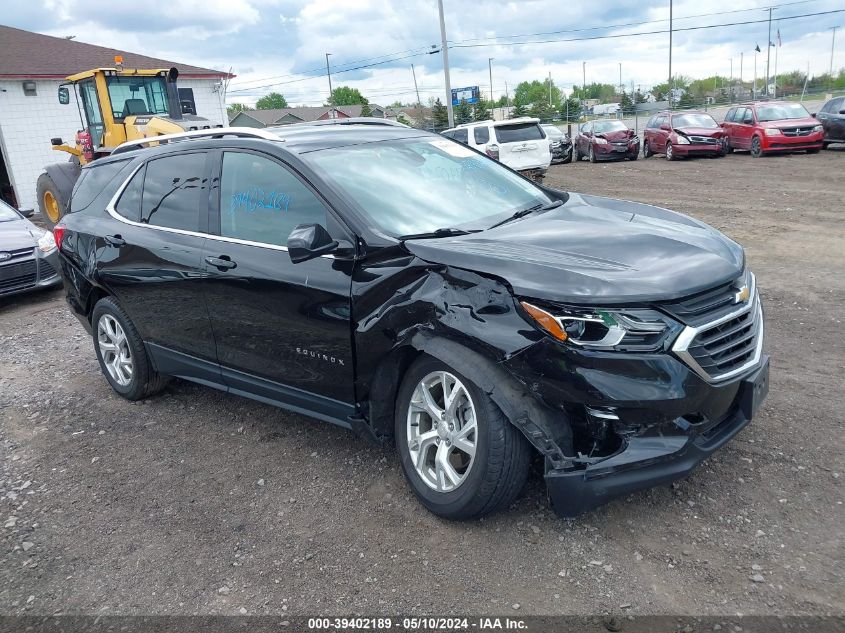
[[281, 44]]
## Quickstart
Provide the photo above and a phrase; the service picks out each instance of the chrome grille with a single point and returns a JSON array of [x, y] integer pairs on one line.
[[16, 254], [797, 131], [704, 140], [727, 346]]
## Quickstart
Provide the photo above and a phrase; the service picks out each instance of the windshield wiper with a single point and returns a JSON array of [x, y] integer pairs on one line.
[[446, 232], [523, 212]]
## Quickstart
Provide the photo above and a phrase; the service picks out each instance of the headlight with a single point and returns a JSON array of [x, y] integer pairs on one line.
[[635, 139], [818, 128], [600, 140], [682, 140], [46, 243], [772, 131], [633, 329]]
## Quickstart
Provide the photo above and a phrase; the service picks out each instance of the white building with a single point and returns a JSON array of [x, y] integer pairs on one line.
[[32, 67]]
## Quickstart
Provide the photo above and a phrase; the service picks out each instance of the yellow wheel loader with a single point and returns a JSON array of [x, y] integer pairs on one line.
[[115, 105]]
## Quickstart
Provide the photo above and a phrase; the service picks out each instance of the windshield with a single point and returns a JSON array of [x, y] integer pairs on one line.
[[694, 120], [421, 184], [553, 131], [137, 95], [601, 127], [7, 213], [778, 111]]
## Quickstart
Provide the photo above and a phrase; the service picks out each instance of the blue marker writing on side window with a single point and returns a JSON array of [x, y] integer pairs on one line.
[[257, 198]]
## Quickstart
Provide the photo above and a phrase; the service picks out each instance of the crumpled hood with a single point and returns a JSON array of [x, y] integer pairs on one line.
[[717, 132], [618, 135], [595, 251], [17, 234]]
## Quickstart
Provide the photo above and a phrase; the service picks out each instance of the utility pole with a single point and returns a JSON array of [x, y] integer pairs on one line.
[[507, 96], [670, 53], [741, 86], [621, 88], [731, 82], [329, 73], [445, 48], [490, 68], [584, 81], [832, 44], [550, 88], [417, 90], [754, 86], [768, 50]]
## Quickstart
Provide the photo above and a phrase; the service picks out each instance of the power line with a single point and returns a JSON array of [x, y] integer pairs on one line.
[[627, 24], [657, 32]]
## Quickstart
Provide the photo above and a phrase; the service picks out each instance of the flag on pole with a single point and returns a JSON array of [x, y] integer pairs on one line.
[[778, 39], [757, 48]]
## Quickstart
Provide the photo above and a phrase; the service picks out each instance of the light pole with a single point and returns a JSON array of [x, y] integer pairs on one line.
[[768, 50], [417, 90], [621, 88], [490, 68], [450, 111], [329, 73], [731, 82], [670, 53], [741, 86], [832, 44], [584, 82]]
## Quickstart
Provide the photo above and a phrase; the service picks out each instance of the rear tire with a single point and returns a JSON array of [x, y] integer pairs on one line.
[[51, 201], [121, 353], [489, 479]]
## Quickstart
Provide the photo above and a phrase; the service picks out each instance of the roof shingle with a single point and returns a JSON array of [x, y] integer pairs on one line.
[[33, 55]]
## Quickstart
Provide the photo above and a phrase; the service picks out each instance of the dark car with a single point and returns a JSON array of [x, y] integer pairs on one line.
[[396, 283], [683, 134], [559, 144], [832, 119], [28, 256], [768, 127], [605, 140]]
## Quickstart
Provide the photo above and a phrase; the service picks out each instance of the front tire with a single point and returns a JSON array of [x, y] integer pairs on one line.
[[756, 147], [592, 154], [51, 200], [121, 354], [670, 153], [647, 153], [461, 456]]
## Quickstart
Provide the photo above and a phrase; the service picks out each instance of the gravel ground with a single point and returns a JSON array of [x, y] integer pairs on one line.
[[195, 502]]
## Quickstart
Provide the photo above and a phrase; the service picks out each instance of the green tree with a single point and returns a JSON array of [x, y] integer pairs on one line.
[[463, 113], [235, 108], [481, 111], [626, 103], [272, 101], [366, 110], [439, 114], [571, 109], [603, 92], [344, 96], [518, 110], [541, 110], [536, 92], [401, 119], [502, 102]]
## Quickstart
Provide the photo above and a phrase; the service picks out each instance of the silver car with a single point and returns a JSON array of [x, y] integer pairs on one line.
[[28, 255]]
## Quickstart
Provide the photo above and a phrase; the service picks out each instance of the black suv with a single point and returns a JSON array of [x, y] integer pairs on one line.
[[402, 285]]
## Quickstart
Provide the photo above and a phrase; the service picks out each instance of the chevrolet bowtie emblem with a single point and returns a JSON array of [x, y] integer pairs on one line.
[[743, 295]]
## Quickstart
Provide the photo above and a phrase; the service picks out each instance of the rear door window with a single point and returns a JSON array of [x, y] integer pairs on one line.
[[93, 181], [263, 201], [519, 132], [481, 135], [174, 188]]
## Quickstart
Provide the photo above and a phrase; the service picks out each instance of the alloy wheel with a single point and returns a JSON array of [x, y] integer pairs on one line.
[[114, 350], [670, 153], [442, 431], [756, 149]]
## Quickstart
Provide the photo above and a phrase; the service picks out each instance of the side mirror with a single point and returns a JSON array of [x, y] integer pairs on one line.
[[813, 114], [64, 95], [666, 127], [842, 112], [308, 241], [748, 120]]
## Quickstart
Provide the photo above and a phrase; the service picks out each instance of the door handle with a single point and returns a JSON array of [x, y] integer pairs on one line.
[[221, 263], [115, 240]]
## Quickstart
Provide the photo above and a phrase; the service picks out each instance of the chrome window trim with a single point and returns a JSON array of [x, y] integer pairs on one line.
[[688, 334], [112, 211]]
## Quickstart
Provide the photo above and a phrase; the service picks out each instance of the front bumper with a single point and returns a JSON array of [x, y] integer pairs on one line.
[[781, 143], [699, 149], [616, 152], [659, 458], [27, 273]]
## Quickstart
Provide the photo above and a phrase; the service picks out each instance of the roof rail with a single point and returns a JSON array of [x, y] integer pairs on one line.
[[217, 132], [358, 120]]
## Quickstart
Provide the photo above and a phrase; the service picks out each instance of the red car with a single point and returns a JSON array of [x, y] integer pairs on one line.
[[681, 134], [772, 126], [605, 140]]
